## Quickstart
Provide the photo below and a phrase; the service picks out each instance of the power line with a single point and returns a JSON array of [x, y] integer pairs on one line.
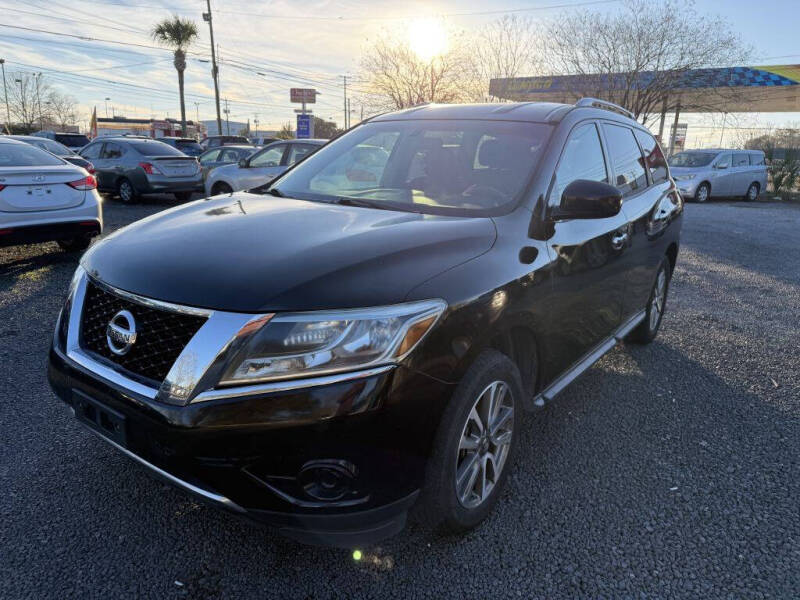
[[384, 18]]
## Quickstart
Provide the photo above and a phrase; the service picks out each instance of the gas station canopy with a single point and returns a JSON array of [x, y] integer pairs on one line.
[[728, 89]]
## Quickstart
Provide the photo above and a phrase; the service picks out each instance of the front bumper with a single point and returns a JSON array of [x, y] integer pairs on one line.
[[687, 187], [251, 455]]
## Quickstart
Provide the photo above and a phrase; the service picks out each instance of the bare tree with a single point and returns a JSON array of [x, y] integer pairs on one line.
[[61, 109], [393, 76], [637, 57], [502, 49], [27, 96], [285, 132]]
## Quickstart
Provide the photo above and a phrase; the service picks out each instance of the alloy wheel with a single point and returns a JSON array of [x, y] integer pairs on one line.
[[125, 191], [485, 444], [702, 194], [659, 299], [752, 192]]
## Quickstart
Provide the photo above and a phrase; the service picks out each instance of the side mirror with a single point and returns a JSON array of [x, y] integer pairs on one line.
[[721, 166], [584, 199], [242, 163]]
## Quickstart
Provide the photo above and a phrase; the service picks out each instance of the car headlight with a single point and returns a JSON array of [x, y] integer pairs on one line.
[[684, 177], [315, 343]]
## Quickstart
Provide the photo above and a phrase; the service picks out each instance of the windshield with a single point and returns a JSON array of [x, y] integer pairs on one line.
[[441, 167], [692, 159], [23, 155], [189, 146], [72, 139], [155, 149]]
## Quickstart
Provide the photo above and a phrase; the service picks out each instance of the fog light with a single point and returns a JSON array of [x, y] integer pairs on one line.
[[328, 480]]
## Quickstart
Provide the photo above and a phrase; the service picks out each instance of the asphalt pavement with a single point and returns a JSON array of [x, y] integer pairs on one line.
[[671, 470]]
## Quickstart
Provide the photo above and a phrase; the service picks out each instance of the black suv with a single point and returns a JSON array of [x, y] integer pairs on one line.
[[362, 335]]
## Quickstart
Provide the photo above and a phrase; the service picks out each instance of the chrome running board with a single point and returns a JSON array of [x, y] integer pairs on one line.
[[556, 387]]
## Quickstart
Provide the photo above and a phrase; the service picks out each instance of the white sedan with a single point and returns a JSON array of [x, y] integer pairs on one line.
[[261, 167], [44, 198]]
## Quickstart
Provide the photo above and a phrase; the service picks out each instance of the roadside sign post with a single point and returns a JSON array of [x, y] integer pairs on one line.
[[305, 121]]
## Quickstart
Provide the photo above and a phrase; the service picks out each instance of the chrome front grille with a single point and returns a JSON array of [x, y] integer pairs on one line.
[[161, 335]]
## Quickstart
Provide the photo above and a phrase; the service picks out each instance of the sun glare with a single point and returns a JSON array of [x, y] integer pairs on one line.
[[427, 38]]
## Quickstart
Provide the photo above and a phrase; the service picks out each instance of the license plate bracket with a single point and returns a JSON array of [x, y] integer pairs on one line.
[[96, 415]]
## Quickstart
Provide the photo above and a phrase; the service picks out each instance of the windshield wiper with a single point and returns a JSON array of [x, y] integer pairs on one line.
[[276, 192], [361, 202]]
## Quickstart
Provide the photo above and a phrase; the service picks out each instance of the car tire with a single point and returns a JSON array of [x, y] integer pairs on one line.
[[76, 244], [183, 196], [752, 192], [221, 188], [647, 330], [702, 193], [126, 192], [463, 456]]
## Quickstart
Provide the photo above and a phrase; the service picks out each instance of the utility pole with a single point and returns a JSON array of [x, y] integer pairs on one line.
[[348, 112], [5, 91], [37, 77], [346, 126], [214, 69], [227, 112], [255, 122]]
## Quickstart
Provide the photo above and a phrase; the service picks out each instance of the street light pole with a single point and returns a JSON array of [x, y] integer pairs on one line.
[[214, 69], [106, 103], [5, 91]]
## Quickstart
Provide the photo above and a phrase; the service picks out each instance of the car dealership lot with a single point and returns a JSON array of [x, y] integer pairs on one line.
[[671, 469]]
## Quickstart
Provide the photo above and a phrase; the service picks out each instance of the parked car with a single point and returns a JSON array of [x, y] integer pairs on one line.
[[214, 141], [723, 173], [188, 146], [223, 155], [134, 166], [260, 167], [56, 148], [325, 359], [44, 198], [261, 141], [73, 141]]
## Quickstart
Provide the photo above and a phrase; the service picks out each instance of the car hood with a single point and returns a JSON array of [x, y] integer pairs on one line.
[[253, 253]]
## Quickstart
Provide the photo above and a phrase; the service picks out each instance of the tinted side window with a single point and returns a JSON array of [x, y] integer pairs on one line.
[[757, 159], [653, 156], [91, 151], [211, 156], [582, 158], [740, 160], [626, 159]]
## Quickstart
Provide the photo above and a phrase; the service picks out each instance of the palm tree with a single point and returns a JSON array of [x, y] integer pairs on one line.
[[179, 34]]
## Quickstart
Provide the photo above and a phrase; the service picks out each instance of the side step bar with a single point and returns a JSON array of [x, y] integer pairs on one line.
[[556, 387]]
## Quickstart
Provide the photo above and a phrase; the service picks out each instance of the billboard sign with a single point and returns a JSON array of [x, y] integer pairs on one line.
[[305, 127], [303, 95]]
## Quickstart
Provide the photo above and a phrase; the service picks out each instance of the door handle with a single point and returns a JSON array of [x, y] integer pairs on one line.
[[618, 240]]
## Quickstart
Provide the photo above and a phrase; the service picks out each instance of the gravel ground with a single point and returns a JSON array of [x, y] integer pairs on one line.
[[671, 470]]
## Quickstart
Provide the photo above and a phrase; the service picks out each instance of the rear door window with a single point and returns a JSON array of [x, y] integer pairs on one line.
[[582, 158], [626, 159], [741, 160], [757, 159], [653, 156]]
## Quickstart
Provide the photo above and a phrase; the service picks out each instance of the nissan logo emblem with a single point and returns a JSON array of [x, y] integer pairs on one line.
[[121, 333]]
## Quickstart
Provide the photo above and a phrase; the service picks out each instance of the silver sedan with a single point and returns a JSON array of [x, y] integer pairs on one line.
[[45, 198]]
